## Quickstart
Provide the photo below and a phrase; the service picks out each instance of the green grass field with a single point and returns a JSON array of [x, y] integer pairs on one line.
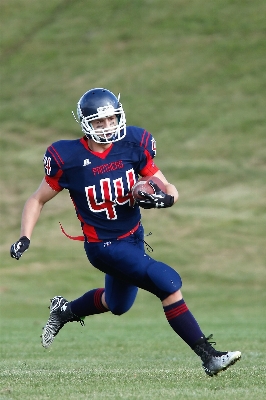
[[192, 73]]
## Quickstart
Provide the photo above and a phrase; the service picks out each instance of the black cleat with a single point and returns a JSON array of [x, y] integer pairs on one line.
[[60, 314]]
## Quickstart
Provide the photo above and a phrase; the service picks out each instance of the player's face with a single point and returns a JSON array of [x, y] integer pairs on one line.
[[109, 125]]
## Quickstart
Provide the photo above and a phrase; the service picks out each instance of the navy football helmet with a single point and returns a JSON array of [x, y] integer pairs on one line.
[[101, 103]]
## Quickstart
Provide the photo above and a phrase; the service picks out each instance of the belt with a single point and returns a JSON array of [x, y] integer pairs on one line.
[[133, 230], [130, 232], [96, 240]]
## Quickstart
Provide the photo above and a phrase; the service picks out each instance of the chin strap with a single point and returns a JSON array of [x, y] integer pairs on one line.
[[75, 118]]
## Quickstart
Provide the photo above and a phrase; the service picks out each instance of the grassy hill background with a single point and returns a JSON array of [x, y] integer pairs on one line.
[[193, 74]]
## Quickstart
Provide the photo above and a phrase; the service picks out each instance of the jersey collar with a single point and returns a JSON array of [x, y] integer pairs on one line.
[[102, 155]]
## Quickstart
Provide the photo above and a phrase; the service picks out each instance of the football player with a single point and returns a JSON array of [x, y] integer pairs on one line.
[[99, 171]]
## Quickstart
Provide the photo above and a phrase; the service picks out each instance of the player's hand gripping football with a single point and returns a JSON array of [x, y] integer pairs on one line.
[[18, 248], [158, 199]]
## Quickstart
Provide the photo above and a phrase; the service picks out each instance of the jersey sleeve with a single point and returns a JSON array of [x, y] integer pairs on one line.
[[53, 167], [148, 146]]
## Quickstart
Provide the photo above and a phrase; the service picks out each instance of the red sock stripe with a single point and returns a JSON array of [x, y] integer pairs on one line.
[[175, 312], [97, 300]]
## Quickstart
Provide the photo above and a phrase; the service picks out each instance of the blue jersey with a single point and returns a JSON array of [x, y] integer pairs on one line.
[[100, 184]]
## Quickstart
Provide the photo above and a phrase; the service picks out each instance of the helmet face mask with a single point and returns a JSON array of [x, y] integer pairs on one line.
[[97, 104]]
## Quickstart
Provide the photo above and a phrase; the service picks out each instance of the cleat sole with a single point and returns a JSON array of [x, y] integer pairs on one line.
[[225, 368]]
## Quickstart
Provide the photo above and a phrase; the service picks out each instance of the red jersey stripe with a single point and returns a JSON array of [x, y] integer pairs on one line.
[[53, 181], [142, 138], [55, 156]]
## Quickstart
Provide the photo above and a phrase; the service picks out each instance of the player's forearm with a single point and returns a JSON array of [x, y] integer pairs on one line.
[[171, 189], [30, 216]]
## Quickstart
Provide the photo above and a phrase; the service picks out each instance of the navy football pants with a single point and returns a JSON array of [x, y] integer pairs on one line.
[[127, 268]]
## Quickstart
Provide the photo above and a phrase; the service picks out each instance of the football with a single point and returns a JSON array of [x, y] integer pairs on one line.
[[143, 185]]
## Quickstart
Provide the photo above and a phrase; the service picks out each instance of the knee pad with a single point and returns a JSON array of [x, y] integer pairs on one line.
[[119, 309], [164, 280], [120, 301]]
